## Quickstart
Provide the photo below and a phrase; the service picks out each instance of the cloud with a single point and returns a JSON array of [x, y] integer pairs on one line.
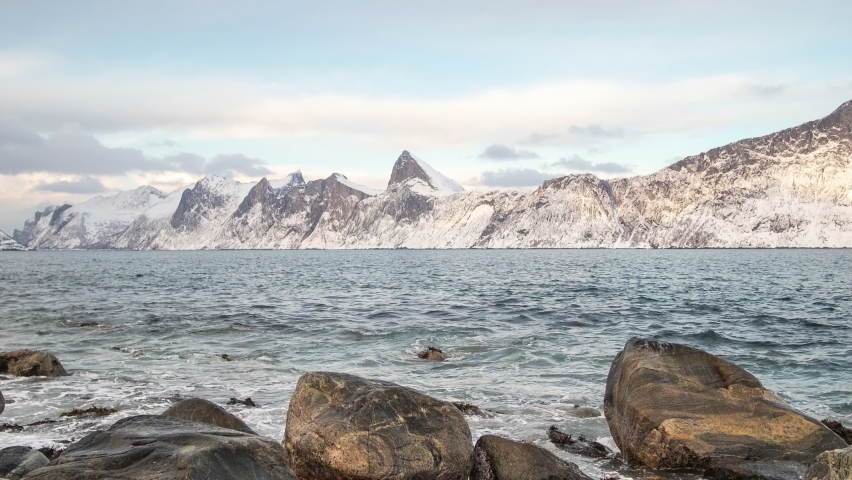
[[165, 143], [595, 131], [81, 186], [72, 151], [501, 152], [575, 134], [766, 91], [513, 177], [16, 63], [577, 163]]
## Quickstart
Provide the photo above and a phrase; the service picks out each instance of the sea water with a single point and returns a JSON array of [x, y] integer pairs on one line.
[[527, 334]]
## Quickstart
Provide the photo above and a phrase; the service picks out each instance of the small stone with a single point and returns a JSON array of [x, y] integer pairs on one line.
[[432, 354], [226, 357], [579, 445], [30, 363], [247, 402]]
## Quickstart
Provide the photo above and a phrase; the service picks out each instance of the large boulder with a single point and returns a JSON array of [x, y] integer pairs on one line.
[[15, 462], [341, 426], [205, 411], [498, 458], [30, 363], [673, 406], [153, 446], [833, 465]]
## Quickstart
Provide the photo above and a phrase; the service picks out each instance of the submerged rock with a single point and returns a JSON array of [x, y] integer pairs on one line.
[[584, 412], [30, 363], [154, 446], [673, 406], [247, 402], [15, 462], [579, 446], [833, 465], [432, 354], [205, 411], [341, 426], [92, 411], [833, 425], [498, 458]]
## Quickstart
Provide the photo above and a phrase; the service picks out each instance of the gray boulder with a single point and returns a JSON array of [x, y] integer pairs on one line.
[[30, 363], [153, 446], [673, 406], [341, 426], [15, 462], [205, 411], [498, 458], [833, 465]]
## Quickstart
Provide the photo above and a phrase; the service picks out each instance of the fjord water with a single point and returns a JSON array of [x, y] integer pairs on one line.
[[527, 334]]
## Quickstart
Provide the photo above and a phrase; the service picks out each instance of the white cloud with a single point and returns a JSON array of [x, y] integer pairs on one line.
[[18, 62]]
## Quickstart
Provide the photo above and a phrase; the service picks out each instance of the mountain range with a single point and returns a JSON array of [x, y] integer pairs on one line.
[[792, 188]]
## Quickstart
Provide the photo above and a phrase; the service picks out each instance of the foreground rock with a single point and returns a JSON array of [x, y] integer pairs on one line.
[[205, 411], [833, 425], [673, 406], [30, 363], [154, 446], [341, 426], [498, 458], [432, 354], [15, 462], [833, 465]]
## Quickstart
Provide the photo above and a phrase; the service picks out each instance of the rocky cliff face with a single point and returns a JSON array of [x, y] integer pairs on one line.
[[8, 243], [789, 189]]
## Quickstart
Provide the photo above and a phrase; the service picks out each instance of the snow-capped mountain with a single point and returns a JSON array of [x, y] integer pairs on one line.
[[89, 223], [789, 189], [8, 243]]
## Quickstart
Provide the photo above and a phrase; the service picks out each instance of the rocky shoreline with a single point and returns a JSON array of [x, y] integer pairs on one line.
[[669, 407]]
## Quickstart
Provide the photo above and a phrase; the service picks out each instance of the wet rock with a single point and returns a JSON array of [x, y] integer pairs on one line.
[[15, 462], [755, 470], [91, 411], [498, 458], [833, 425], [833, 465], [579, 446], [204, 411], [469, 409], [30, 363], [247, 402], [10, 427], [584, 412], [2, 403], [226, 357], [673, 406], [51, 451], [154, 446], [433, 354], [341, 426]]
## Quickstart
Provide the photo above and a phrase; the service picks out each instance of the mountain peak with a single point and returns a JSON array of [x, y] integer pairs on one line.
[[412, 171]]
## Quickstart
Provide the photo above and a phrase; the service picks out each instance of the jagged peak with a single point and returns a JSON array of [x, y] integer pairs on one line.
[[342, 179], [289, 181], [409, 169]]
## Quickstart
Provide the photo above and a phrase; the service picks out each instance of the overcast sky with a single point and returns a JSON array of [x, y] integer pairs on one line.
[[102, 96]]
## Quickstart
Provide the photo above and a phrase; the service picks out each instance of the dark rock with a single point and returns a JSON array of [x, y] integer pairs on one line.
[[2, 403], [15, 462], [154, 446], [10, 427], [468, 409], [51, 452], [756, 470], [584, 412], [204, 411], [832, 465], [673, 406], [247, 402], [433, 354], [579, 445], [498, 458], [226, 357], [341, 426], [30, 363], [833, 425], [91, 411]]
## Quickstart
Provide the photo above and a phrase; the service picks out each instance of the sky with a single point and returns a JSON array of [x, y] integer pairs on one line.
[[102, 96]]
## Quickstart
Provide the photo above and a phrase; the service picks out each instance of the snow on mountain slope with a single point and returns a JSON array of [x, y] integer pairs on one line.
[[418, 176], [89, 223], [8, 243]]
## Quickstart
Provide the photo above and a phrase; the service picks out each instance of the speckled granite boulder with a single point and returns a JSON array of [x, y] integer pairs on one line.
[[341, 426], [673, 406], [833, 465]]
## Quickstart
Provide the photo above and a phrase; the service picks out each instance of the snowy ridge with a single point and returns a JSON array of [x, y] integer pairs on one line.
[[792, 188], [7, 243]]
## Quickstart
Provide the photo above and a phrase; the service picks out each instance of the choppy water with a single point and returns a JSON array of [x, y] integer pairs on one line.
[[527, 333]]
